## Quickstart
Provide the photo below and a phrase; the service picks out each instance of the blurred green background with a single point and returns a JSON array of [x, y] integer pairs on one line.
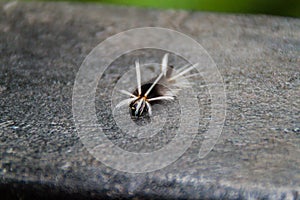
[[273, 7]]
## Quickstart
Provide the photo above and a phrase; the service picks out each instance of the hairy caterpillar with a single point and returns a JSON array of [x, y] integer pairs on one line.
[[164, 87]]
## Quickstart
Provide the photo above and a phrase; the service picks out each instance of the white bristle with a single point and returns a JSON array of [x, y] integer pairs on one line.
[[161, 98], [153, 84], [183, 68], [138, 76], [164, 64], [149, 108], [127, 93], [182, 73], [125, 102]]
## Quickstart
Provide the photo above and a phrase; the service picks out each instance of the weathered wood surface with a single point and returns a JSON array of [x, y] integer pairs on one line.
[[42, 46]]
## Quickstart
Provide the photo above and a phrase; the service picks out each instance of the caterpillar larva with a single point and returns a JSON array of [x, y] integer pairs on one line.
[[164, 87]]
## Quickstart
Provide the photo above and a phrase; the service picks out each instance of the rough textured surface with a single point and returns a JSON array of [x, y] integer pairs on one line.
[[41, 49]]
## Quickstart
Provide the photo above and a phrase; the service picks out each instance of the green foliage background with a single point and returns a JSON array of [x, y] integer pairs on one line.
[[273, 7]]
